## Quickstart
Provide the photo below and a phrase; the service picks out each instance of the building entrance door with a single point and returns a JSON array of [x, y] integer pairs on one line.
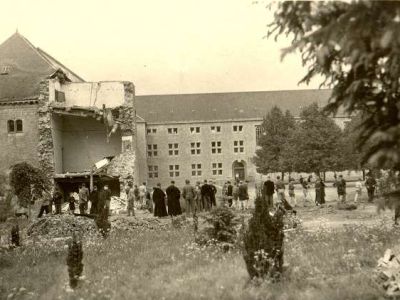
[[239, 172]]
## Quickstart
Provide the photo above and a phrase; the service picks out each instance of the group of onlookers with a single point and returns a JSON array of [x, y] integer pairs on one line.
[[98, 201], [198, 197], [236, 195], [269, 188]]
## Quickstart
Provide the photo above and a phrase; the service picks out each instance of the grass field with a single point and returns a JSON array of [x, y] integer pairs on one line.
[[331, 256]]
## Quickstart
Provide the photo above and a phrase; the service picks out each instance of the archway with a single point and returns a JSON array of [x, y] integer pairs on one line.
[[239, 170]]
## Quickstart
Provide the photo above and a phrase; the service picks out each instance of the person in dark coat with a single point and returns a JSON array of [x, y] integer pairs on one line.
[[268, 191], [58, 200], [319, 192], [104, 200], [173, 196], [206, 195], [229, 194], [94, 199], [159, 202], [213, 193], [370, 184]]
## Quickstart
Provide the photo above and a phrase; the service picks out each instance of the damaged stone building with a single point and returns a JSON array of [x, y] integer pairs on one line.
[[76, 131], [100, 131]]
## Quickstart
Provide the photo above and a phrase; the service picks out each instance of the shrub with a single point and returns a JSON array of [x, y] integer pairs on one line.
[[74, 261], [221, 227], [263, 242]]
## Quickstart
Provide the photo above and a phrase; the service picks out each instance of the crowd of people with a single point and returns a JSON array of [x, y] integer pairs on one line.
[[270, 187], [97, 200], [200, 197]]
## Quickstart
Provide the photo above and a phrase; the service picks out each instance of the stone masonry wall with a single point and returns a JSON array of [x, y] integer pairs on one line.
[[45, 147]]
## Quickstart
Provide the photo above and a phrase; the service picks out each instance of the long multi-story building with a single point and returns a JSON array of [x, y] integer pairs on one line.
[[209, 136]]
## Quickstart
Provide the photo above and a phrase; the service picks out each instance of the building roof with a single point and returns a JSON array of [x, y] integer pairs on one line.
[[224, 106], [27, 67]]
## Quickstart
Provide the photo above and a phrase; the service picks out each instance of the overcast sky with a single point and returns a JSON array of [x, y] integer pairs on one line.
[[174, 46]]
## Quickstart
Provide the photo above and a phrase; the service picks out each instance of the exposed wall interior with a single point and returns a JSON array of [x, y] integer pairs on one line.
[[79, 142]]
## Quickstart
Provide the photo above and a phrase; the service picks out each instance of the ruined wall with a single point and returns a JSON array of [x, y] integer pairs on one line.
[[57, 126], [18, 147], [124, 165], [110, 93], [45, 147]]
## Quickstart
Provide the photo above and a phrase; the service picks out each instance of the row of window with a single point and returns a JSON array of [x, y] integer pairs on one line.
[[196, 129], [14, 126], [174, 170], [195, 149]]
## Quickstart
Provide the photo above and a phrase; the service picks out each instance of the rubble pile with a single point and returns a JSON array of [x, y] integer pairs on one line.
[[57, 226], [124, 223], [387, 273]]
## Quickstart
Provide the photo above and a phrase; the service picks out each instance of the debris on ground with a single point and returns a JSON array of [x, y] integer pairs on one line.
[[387, 273], [346, 206], [56, 226]]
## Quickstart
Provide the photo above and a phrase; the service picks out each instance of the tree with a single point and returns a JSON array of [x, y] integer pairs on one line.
[[28, 181], [315, 144], [355, 47], [275, 130]]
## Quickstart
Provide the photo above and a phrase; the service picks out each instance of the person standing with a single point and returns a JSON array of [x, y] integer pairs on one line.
[[292, 195], [243, 195], [142, 194], [104, 201], [213, 192], [131, 200], [46, 202], [71, 203], [319, 192], [83, 199], [358, 190], [159, 202], [304, 186], [235, 195], [149, 203], [173, 196], [189, 194], [94, 199], [199, 203], [341, 188], [136, 195], [229, 193], [206, 195], [58, 200], [280, 190], [268, 191], [370, 184]]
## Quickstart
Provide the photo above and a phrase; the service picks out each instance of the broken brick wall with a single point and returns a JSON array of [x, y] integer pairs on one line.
[[124, 165]]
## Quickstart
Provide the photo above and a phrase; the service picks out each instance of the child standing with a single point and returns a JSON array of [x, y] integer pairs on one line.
[[358, 190], [71, 202]]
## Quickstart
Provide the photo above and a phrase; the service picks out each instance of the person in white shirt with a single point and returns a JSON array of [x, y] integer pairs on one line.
[[142, 193], [358, 190]]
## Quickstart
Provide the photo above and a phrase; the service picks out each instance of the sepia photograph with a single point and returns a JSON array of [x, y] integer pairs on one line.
[[182, 149]]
